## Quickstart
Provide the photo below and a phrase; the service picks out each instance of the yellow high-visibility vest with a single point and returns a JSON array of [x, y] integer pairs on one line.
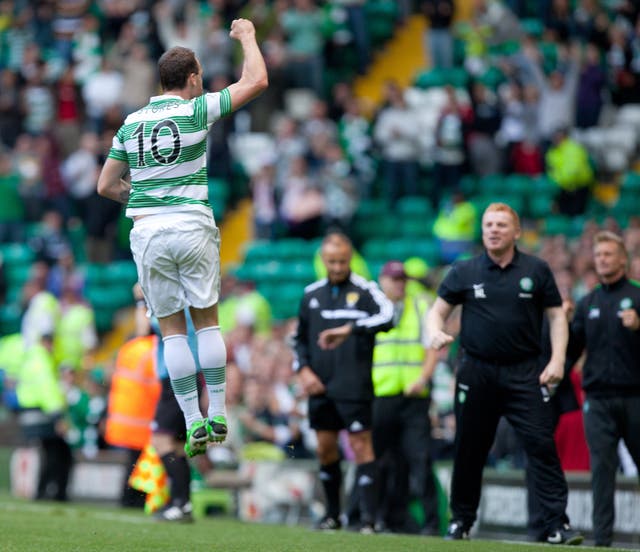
[[398, 355]]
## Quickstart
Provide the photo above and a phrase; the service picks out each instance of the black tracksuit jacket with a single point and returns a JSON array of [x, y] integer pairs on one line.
[[612, 367], [346, 370]]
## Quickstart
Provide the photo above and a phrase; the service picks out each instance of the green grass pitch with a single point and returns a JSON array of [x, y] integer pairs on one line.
[[49, 527]]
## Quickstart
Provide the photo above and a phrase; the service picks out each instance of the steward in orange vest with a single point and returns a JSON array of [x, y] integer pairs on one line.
[[134, 394]]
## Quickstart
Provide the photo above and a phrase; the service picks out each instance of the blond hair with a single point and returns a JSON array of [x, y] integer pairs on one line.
[[503, 208], [611, 237]]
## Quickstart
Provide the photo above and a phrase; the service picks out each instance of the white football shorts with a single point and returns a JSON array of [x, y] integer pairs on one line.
[[178, 260]]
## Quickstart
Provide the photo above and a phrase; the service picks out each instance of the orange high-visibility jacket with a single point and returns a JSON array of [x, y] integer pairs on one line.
[[134, 394]]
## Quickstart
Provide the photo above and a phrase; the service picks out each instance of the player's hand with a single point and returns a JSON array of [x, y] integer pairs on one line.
[[630, 319], [416, 388], [331, 338], [552, 374], [241, 28], [310, 382], [440, 339]]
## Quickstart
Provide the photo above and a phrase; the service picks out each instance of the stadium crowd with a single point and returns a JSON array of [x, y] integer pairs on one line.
[[521, 88]]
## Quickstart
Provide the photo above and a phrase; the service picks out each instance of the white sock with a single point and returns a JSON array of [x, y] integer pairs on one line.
[[182, 371], [212, 354]]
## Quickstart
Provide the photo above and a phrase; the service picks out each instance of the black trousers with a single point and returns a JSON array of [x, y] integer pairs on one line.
[[401, 432], [57, 460], [606, 421], [484, 393]]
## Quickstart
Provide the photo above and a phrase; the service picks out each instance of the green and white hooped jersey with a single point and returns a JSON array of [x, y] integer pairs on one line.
[[165, 145]]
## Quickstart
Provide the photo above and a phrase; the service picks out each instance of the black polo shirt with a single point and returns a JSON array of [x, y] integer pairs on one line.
[[502, 307]]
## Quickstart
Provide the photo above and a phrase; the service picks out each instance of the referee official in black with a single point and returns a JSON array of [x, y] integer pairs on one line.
[[504, 294], [607, 325], [337, 322]]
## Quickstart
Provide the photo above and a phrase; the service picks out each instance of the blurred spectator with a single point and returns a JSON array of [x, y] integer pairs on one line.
[[41, 416], [86, 396], [69, 113], [11, 108], [396, 135], [12, 208], [569, 167], [101, 92], [262, 422], [80, 173], [557, 91], [450, 152], [590, 89], [42, 309], [339, 189], [263, 191], [302, 205], [475, 34], [484, 157], [138, 78], [215, 52], [219, 159], [302, 23], [359, 29], [50, 242], [87, 50], [28, 165], [66, 273], [38, 101], [76, 335], [355, 137], [559, 23], [456, 227], [526, 158], [439, 38]]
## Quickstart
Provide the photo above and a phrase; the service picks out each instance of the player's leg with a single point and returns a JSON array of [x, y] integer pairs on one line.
[[169, 434], [212, 355], [324, 419], [357, 418], [156, 243], [200, 278]]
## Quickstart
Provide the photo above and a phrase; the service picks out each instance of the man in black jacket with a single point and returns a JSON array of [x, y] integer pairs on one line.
[[338, 319], [504, 295], [607, 325]]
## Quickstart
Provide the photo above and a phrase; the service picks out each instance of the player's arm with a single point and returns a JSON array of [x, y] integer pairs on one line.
[[436, 318], [253, 80], [559, 332], [113, 182]]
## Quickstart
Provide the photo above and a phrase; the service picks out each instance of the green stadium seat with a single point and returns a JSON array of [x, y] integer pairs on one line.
[[10, 318], [469, 185], [17, 274], [456, 77], [371, 208], [413, 205], [376, 250], [293, 248], [16, 253], [558, 225], [492, 185], [544, 185], [416, 226], [121, 273], [260, 251], [95, 274], [300, 271], [519, 184], [631, 182], [532, 26], [540, 205]]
